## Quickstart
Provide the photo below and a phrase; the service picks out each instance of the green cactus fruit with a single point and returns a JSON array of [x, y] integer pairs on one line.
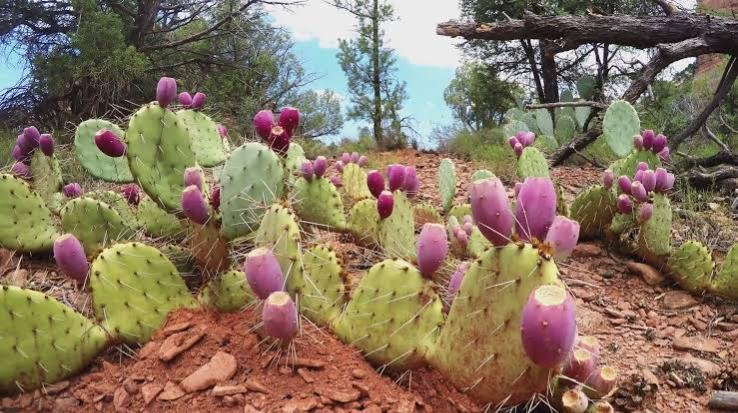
[[228, 292], [134, 287], [532, 163], [654, 238], [95, 162], [208, 145], [544, 122], [447, 183], [566, 127], [396, 233], [482, 174], [95, 224], [581, 113], [320, 291], [116, 201], [627, 166], [725, 283], [363, 222], [480, 348], [159, 151], [354, 184], [459, 211], [691, 266], [318, 202], [621, 122], [393, 317], [251, 180], [593, 208], [424, 214], [180, 257], [42, 341], [25, 221], [47, 177], [622, 223], [158, 223], [279, 232], [293, 160]]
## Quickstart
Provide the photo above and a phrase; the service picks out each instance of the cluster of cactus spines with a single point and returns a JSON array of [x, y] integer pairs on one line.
[[109, 143], [648, 140], [548, 325], [280, 317], [70, 258], [72, 190], [228, 292], [194, 206], [520, 141], [263, 272], [94, 223], [25, 221], [432, 248], [447, 183], [92, 159]]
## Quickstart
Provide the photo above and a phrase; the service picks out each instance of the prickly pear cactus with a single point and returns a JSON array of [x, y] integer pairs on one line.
[[459, 211], [532, 163], [134, 287], [228, 292], [691, 266], [363, 222], [447, 183], [593, 208], [94, 223], [42, 341], [482, 174], [544, 122], [158, 223], [56, 202], [424, 213], [654, 238], [119, 204], [354, 183], [280, 233], [480, 348], [25, 222], [159, 151], [251, 180], [622, 223], [293, 160], [180, 257], [393, 316], [318, 202], [627, 166], [725, 283], [478, 244], [47, 177], [207, 144], [320, 291], [95, 162], [397, 232], [566, 127], [210, 249], [621, 122]]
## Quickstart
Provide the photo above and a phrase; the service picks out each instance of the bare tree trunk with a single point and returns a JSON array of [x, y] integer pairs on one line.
[[530, 54], [376, 80]]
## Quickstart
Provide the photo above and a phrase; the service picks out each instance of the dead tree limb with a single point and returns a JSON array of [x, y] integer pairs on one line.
[[567, 105], [700, 178]]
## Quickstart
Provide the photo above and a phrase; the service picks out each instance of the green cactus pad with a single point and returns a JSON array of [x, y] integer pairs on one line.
[[620, 124], [691, 266], [513, 114], [279, 232], [622, 223], [581, 114], [56, 202], [180, 257], [158, 223], [159, 151], [725, 283], [320, 291], [228, 292], [207, 144], [586, 86], [396, 233], [566, 127], [532, 163], [425, 213], [459, 211], [654, 238], [627, 166], [481, 174], [47, 176], [25, 221], [251, 180], [478, 244], [42, 341], [134, 287], [95, 224], [393, 316], [354, 184], [544, 122], [293, 160], [562, 207], [363, 222], [318, 202], [479, 348], [447, 183], [528, 123], [119, 204], [593, 208], [95, 162]]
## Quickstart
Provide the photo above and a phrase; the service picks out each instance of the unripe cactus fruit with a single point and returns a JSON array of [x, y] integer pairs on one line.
[[46, 143], [263, 272], [468, 227], [166, 91], [395, 176], [624, 184], [411, 183], [601, 382], [512, 141], [72, 190], [563, 236], [625, 205], [659, 143], [306, 170], [193, 205], [185, 99], [21, 170], [665, 155], [263, 123], [320, 165], [646, 212], [109, 143], [638, 142], [491, 210], [289, 119], [215, 197], [198, 101], [535, 209], [638, 191], [346, 158], [648, 137], [548, 325], [579, 365], [648, 179], [462, 238], [363, 160], [375, 183], [193, 176], [385, 204], [279, 140], [432, 248], [70, 257], [574, 401], [607, 179], [132, 194], [454, 283], [638, 175], [280, 316], [518, 149]]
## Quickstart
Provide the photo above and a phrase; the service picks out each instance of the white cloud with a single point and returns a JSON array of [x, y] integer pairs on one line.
[[413, 35]]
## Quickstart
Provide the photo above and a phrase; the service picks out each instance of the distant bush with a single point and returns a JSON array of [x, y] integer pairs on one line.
[[486, 147]]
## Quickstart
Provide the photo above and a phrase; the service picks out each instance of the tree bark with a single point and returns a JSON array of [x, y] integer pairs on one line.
[[703, 179], [376, 79], [530, 54]]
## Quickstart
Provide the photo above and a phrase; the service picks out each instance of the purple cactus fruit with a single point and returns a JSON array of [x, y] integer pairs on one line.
[[648, 179], [194, 206], [31, 136], [306, 170], [467, 218], [646, 212], [648, 137], [563, 236], [198, 101], [355, 157], [548, 325], [279, 316], [395, 176], [46, 143], [660, 175], [18, 154], [263, 272], [491, 210], [659, 143], [462, 238], [579, 365], [624, 184], [185, 99], [518, 149], [574, 401], [607, 179], [222, 131], [72, 190], [363, 160], [109, 144], [346, 158], [263, 123], [665, 155], [639, 192], [70, 258], [525, 138], [669, 182], [385, 204], [215, 198], [279, 140], [339, 165], [454, 284], [131, 193], [166, 91], [320, 165], [468, 227], [375, 183], [589, 343], [602, 381], [517, 187], [337, 181], [512, 141], [193, 176], [642, 166], [21, 170], [289, 119], [535, 209], [625, 205], [411, 184], [432, 248], [638, 142], [638, 175]]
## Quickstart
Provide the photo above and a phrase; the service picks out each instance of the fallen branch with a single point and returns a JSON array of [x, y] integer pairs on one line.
[[724, 400], [700, 178], [567, 105]]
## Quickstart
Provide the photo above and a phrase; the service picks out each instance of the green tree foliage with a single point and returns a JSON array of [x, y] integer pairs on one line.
[[320, 113]]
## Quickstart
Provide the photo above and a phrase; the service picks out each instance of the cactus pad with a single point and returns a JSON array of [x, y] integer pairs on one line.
[[725, 283], [478, 244], [180, 257], [25, 221], [482, 174], [320, 290], [627, 166], [363, 222], [593, 208], [209, 248], [208, 145], [294, 158], [396, 233], [691, 266], [424, 213], [318, 202], [566, 127], [119, 204], [654, 238], [280, 233], [621, 122], [94, 223], [447, 183], [544, 122], [459, 211], [621, 223], [354, 183], [95, 162], [228, 292], [47, 177], [157, 222], [532, 163]]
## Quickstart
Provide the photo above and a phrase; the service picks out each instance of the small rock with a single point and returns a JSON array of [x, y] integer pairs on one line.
[[148, 350], [254, 385], [176, 328], [650, 275], [130, 386], [709, 345], [221, 367], [57, 388], [305, 374], [649, 377], [171, 392], [677, 300], [372, 408], [303, 362], [358, 373], [229, 390], [229, 401], [341, 396], [121, 399], [178, 343], [66, 404], [150, 391], [709, 368], [587, 250], [304, 405]]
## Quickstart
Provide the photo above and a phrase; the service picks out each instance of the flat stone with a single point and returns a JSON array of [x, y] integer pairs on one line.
[[303, 362], [305, 374], [66, 404], [148, 349], [650, 275], [587, 250], [254, 385], [229, 390], [678, 300], [176, 328], [121, 399], [149, 392], [250, 409], [56, 388], [358, 373], [340, 395], [178, 343], [304, 405], [649, 377], [221, 367], [171, 392], [709, 345], [709, 368]]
